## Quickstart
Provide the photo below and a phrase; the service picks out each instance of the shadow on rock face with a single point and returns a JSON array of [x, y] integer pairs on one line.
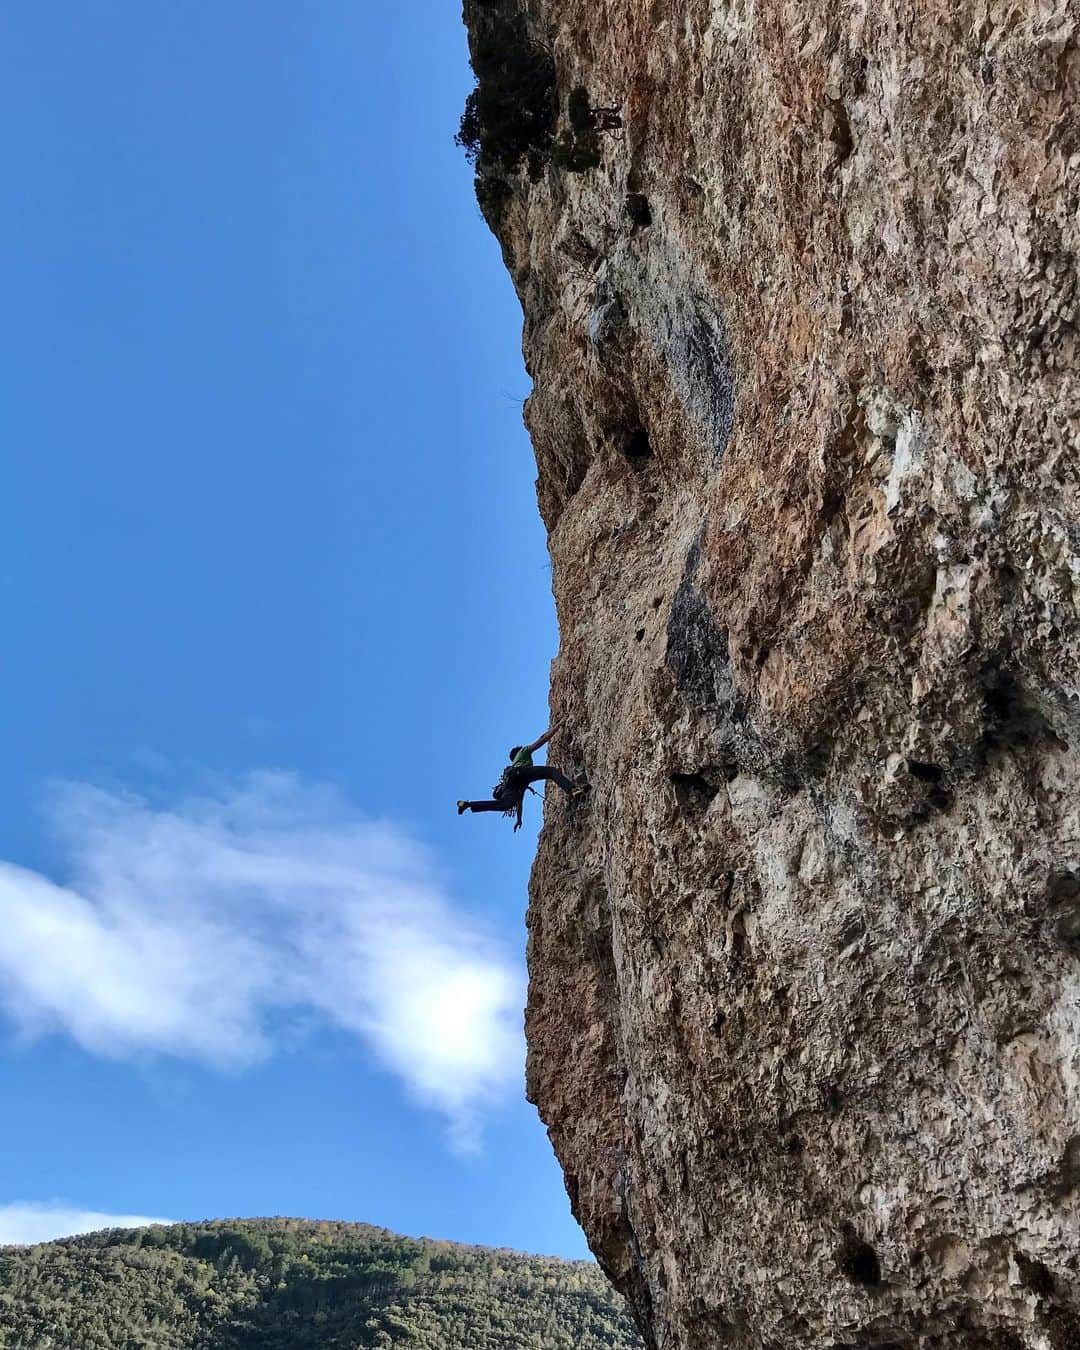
[[697, 647]]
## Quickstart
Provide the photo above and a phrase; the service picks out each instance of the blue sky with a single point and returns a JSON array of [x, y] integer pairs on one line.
[[276, 594]]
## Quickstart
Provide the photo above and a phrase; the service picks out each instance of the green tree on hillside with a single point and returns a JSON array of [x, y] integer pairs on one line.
[[283, 1284]]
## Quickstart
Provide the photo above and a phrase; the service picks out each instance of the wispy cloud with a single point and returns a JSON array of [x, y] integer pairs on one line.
[[190, 931], [27, 1223]]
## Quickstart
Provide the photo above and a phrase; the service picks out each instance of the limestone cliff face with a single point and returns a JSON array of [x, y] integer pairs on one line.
[[804, 1018]]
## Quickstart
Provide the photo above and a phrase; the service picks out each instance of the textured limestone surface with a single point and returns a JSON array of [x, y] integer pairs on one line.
[[804, 1016]]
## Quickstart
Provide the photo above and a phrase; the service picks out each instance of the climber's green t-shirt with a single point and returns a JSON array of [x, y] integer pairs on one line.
[[522, 760]]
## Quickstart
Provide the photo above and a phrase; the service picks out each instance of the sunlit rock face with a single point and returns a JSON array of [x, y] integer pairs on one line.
[[804, 1017]]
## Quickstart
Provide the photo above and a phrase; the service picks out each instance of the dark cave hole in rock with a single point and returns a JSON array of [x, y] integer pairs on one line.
[[938, 796], [637, 448], [1070, 1161], [693, 791], [737, 930], [1063, 886], [859, 1262], [1011, 720], [639, 634], [1035, 1276], [638, 210], [1002, 696], [840, 134], [1062, 901], [817, 757]]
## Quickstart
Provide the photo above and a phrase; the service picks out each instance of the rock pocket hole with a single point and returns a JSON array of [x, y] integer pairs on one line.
[[638, 210], [639, 635], [938, 796], [1002, 696], [840, 133], [1070, 1162], [859, 1262], [832, 1098], [693, 791], [637, 448], [1035, 1276], [1011, 720]]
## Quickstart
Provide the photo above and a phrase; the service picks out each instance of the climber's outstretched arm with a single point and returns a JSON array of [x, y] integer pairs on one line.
[[536, 745]]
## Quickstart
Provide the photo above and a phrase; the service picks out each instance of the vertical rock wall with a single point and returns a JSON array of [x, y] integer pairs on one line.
[[804, 1019]]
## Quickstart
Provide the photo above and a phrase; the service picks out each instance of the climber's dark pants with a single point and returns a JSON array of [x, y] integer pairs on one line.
[[552, 775], [514, 790], [496, 804]]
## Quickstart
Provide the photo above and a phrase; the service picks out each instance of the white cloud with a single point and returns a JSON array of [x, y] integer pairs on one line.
[[29, 1223], [191, 931]]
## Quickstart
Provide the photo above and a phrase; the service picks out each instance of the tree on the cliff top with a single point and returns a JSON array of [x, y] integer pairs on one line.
[[512, 111]]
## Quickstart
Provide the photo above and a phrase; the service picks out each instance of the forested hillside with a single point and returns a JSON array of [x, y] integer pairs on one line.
[[284, 1284]]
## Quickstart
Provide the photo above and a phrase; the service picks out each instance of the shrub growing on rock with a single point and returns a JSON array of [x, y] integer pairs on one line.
[[512, 111], [512, 115]]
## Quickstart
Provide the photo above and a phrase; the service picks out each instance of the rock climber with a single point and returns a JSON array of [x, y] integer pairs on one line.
[[508, 794]]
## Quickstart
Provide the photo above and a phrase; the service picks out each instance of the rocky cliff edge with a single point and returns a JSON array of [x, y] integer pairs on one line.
[[801, 314]]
